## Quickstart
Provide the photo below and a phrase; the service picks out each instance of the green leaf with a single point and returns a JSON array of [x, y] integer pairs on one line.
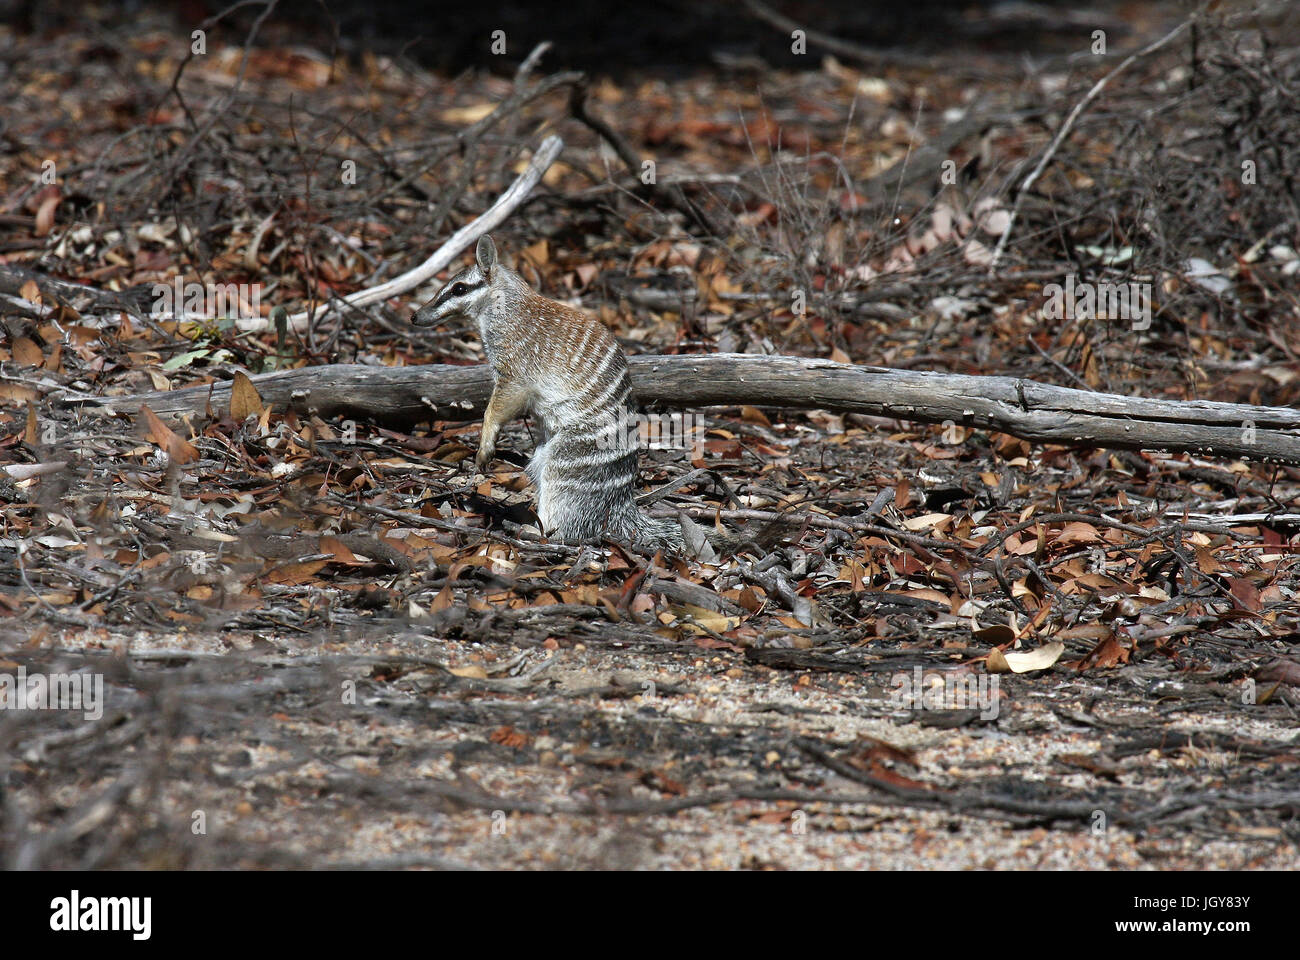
[[184, 359]]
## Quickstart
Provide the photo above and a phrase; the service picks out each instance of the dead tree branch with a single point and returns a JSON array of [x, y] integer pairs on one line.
[[444, 255], [1033, 411]]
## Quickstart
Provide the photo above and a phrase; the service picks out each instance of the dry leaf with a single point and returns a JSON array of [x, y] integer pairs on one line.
[[467, 115], [510, 737], [937, 520], [1107, 654], [16, 393], [341, 553], [45, 215], [997, 634], [27, 353], [1078, 533], [244, 399], [472, 672], [538, 254], [1244, 592], [444, 599], [701, 617], [292, 574], [180, 451], [1040, 659]]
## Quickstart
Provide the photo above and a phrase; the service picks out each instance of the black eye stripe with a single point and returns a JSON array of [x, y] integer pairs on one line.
[[448, 294]]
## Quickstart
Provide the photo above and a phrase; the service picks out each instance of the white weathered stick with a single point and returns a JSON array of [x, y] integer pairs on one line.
[[25, 471], [465, 237]]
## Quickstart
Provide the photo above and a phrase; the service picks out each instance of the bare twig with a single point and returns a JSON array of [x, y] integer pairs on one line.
[[835, 45], [465, 237], [670, 193], [1067, 126]]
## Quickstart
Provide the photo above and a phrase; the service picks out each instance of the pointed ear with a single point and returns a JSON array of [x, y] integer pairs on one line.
[[486, 255]]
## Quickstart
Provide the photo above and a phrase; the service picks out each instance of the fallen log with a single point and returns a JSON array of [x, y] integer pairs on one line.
[[1033, 411]]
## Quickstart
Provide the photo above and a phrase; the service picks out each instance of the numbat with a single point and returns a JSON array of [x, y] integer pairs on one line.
[[567, 370]]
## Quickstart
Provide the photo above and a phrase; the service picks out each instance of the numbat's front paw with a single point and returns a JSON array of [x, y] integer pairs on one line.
[[483, 458]]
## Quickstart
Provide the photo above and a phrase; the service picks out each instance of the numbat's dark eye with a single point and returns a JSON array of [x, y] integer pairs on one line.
[[459, 290]]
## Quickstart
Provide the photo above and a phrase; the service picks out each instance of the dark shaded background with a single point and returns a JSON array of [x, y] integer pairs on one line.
[[611, 36]]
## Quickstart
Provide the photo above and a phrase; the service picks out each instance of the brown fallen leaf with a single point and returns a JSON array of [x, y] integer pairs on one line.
[[15, 393], [466, 115], [1205, 561], [508, 736], [244, 399], [27, 353], [893, 777], [1084, 631], [997, 635], [538, 254], [293, 574], [45, 215], [1077, 533], [875, 750], [1105, 655], [705, 642], [443, 600], [1244, 592], [472, 672], [180, 451], [341, 553], [1014, 662]]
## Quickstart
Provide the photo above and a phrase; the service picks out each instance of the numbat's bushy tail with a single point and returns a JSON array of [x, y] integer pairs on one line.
[[567, 369]]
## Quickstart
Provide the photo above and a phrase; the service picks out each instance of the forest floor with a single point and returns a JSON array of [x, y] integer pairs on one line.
[[333, 644]]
